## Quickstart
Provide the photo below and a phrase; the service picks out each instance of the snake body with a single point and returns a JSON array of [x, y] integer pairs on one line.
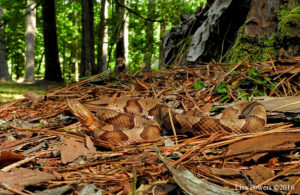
[[128, 120]]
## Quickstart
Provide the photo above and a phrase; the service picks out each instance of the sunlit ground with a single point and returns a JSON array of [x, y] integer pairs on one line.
[[14, 90]]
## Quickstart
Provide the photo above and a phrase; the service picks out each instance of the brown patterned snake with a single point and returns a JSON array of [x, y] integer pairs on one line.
[[128, 120]]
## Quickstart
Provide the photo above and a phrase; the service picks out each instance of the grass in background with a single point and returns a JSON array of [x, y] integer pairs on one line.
[[13, 90]]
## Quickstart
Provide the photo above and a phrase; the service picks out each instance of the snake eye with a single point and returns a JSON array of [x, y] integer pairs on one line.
[[242, 116]]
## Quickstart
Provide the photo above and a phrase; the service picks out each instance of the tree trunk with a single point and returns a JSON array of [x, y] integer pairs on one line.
[[149, 35], [4, 75], [103, 38], [232, 30], [53, 71], [120, 50], [30, 28], [126, 34], [76, 42], [162, 31], [87, 66]]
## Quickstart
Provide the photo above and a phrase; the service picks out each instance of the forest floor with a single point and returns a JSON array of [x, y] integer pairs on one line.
[[13, 90], [44, 149]]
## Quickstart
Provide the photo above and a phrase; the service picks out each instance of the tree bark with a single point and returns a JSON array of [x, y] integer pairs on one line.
[[87, 66], [76, 42], [120, 50], [30, 28], [126, 34], [103, 38], [53, 71], [233, 30], [4, 75], [149, 35]]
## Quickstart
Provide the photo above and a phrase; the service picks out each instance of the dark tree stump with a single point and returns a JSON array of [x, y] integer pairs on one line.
[[220, 30]]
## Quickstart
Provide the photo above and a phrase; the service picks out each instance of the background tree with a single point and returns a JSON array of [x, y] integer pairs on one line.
[[126, 18], [53, 71], [4, 75], [30, 28], [87, 66], [69, 37], [149, 35], [235, 30], [120, 48], [103, 38]]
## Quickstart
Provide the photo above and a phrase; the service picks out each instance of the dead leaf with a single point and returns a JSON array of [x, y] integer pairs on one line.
[[157, 189], [281, 104], [72, 148], [103, 100], [34, 98], [19, 178], [286, 184], [225, 171], [90, 190], [59, 190], [9, 157], [11, 143], [90, 144], [191, 184], [263, 142], [292, 172], [259, 174]]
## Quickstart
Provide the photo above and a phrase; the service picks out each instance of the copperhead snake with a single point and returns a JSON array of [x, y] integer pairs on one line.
[[128, 120]]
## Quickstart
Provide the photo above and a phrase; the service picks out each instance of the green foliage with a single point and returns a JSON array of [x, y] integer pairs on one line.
[[41, 125], [255, 83], [245, 49], [68, 18], [222, 88], [167, 10], [198, 85], [288, 19], [133, 184], [14, 35]]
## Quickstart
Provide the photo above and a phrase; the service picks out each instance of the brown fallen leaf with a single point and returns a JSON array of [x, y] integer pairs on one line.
[[281, 104], [34, 98], [259, 174], [72, 148], [157, 189], [263, 142], [191, 184], [225, 171], [9, 157], [90, 144], [292, 172], [286, 184], [103, 100], [9, 144], [19, 178]]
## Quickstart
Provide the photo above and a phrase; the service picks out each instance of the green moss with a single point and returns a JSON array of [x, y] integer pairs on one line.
[[257, 50], [263, 46], [289, 22]]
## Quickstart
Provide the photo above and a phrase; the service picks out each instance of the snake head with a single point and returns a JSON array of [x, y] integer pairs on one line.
[[83, 115], [86, 117]]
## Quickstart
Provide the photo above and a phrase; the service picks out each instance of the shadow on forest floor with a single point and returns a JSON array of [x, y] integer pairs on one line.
[[13, 90]]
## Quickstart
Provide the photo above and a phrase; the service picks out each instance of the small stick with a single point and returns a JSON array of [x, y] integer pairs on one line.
[[6, 187], [173, 127], [19, 163]]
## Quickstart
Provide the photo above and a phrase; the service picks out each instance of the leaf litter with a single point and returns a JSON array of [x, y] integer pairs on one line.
[[44, 149]]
